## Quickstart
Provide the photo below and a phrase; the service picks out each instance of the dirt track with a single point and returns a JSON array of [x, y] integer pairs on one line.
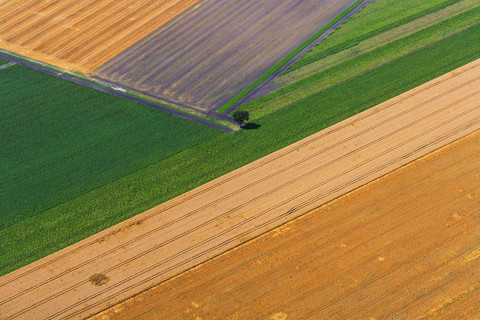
[[81, 34], [190, 229], [120, 94], [403, 247]]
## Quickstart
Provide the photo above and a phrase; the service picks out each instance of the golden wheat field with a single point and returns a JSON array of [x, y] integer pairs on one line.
[[403, 247], [81, 35]]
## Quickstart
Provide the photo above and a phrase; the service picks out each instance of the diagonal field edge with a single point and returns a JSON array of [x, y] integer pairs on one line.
[[101, 88], [124, 262], [279, 248], [291, 58], [457, 130]]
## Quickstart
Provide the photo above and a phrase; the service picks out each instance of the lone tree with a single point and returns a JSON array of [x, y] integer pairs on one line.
[[240, 116]]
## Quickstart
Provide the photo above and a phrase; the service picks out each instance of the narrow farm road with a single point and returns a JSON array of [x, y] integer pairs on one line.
[[6, 65], [120, 94], [264, 88]]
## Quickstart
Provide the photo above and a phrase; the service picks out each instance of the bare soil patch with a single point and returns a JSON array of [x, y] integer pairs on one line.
[[214, 51]]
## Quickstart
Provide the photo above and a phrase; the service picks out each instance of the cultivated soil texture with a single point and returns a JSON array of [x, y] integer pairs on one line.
[[167, 240], [211, 52], [81, 35], [403, 247]]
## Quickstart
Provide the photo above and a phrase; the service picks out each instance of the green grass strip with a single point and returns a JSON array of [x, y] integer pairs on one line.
[[287, 58], [377, 41], [366, 25], [74, 220]]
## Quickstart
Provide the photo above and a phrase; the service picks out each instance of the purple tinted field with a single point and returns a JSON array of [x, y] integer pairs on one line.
[[211, 52]]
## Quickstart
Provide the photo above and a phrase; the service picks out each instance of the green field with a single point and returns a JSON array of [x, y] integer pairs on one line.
[[377, 17], [413, 36], [391, 38], [170, 175], [60, 140]]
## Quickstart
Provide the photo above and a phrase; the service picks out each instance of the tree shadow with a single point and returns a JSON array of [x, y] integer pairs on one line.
[[250, 126]]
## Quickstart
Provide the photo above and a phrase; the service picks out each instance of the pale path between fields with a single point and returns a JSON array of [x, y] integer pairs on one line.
[[382, 39], [192, 228], [6, 65]]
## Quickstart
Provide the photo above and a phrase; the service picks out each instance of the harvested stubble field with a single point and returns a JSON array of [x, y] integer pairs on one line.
[[81, 35], [402, 247], [211, 52], [179, 234]]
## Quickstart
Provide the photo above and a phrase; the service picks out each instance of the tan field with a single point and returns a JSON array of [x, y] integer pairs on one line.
[[184, 232], [81, 35], [403, 247]]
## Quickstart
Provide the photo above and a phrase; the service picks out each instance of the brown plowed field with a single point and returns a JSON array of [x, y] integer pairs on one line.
[[81, 34], [169, 239], [218, 49], [403, 247]]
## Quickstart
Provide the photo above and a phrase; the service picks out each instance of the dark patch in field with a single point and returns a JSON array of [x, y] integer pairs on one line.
[[209, 54], [98, 279], [122, 229], [251, 126], [263, 91]]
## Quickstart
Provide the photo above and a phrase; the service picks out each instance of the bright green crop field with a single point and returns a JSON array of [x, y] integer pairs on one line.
[[122, 158], [59, 140]]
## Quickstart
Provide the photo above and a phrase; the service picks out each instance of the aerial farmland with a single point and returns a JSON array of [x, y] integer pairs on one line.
[[81, 35], [368, 254], [128, 191]]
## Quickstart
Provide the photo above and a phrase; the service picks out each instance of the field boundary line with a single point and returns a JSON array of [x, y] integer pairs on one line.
[[379, 168], [349, 43], [409, 139], [187, 215], [291, 58], [313, 93], [97, 86], [380, 40], [292, 221], [6, 65]]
